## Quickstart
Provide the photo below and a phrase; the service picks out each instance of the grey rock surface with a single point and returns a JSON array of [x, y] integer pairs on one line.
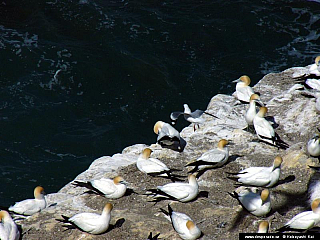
[[218, 216]]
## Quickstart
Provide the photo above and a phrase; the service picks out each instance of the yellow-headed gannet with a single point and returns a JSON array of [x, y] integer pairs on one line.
[[213, 158], [110, 188], [8, 228], [314, 69], [153, 166], [263, 227], [254, 203], [259, 176], [90, 222], [180, 191], [305, 220], [167, 135], [30, 206], [182, 224], [243, 90], [194, 117], [252, 110], [265, 131]]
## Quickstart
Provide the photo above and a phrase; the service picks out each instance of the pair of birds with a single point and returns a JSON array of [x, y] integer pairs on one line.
[[262, 127], [256, 203]]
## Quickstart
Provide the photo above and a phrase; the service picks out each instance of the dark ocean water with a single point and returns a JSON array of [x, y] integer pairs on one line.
[[80, 79]]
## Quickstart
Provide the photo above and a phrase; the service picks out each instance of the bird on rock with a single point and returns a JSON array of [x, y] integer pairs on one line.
[[259, 176], [153, 166], [265, 131], [92, 223], [182, 224], [30, 206], [213, 158], [252, 110], [179, 191], [255, 203], [8, 228], [305, 220], [313, 145], [194, 117], [243, 90], [167, 135], [110, 188]]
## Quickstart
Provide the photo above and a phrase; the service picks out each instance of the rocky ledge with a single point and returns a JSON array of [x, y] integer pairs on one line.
[[218, 215]]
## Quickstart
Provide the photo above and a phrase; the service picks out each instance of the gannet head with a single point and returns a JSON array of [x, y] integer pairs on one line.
[[315, 205], [264, 195], [107, 208], [277, 162], [262, 112], [263, 226], [245, 79], [157, 127], [146, 153], [317, 60], [222, 143], [39, 192], [119, 180]]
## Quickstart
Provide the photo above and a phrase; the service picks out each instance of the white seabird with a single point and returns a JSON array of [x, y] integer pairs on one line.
[[194, 117], [254, 203], [180, 191], [305, 220], [265, 131], [30, 206], [213, 158], [243, 90], [252, 109], [182, 224], [167, 135], [8, 228], [153, 166], [313, 145], [110, 188], [91, 222], [314, 69], [259, 176]]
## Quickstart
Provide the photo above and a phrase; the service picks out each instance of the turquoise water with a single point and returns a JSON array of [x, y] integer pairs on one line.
[[83, 79]]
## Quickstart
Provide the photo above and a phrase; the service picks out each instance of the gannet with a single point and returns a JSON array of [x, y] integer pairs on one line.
[[110, 188], [180, 191], [305, 220], [263, 227], [90, 222], [213, 158], [167, 135], [153, 166], [265, 131], [8, 228], [259, 176], [254, 203], [194, 117], [182, 224], [243, 90], [314, 69], [252, 110], [30, 206], [313, 145]]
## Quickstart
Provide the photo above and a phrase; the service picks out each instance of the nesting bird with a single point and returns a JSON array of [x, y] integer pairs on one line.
[[8, 228], [243, 90], [265, 131], [180, 191], [30, 206], [252, 110], [256, 204], [305, 220], [259, 176], [167, 135], [153, 166], [313, 145], [213, 158], [90, 222], [182, 224], [194, 117], [110, 188]]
